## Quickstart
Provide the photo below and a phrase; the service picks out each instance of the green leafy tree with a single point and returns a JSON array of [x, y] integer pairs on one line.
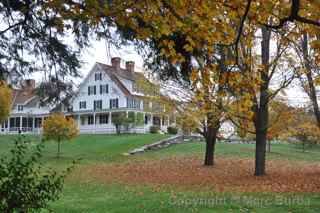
[[25, 186], [122, 120], [119, 119], [139, 119]]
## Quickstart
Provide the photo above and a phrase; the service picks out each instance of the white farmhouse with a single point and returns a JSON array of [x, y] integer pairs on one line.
[[106, 90]]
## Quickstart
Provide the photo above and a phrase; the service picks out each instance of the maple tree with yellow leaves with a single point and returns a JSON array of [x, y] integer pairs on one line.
[[59, 128], [5, 101]]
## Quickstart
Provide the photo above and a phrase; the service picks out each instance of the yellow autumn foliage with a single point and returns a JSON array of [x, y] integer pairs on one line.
[[5, 101], [59, 128]]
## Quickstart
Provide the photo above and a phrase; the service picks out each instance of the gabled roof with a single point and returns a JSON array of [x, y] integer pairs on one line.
[[117, 74], [22, 96]]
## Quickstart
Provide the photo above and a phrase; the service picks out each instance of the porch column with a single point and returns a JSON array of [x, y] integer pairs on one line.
[[160, 122], [144, 119], [79, 120], [94, 122], [8, 128], [33, 123], [151, 119], [20, 123], [110, 128], [144, 122], [109, 119]]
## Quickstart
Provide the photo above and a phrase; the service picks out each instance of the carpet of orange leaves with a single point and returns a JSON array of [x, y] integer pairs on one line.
[[229, 174]]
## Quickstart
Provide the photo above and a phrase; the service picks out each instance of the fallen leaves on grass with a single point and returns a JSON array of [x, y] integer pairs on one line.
[[229, 174]]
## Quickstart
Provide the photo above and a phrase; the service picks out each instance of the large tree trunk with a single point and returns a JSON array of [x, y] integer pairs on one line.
[[312, 91], [262, 113], [211, 138], [261, 141]]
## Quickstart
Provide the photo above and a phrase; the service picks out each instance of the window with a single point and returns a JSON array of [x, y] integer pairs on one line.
[[91, 90], [90, 120], [20, 107], [133, 103], [114, 103], [82, 105], [98, 76], [14, 122], [104, 89], [97, 105], [103, 119]]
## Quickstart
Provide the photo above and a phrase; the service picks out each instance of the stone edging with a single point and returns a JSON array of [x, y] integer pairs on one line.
[[177, 139]]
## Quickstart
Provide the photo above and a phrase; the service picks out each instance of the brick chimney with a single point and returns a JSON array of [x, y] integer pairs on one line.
[[29, 84], [130, 66], [115, 62]]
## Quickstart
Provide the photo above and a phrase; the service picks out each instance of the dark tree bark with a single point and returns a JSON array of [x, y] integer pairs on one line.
[[211, 138], [311, 87], [262, 113]]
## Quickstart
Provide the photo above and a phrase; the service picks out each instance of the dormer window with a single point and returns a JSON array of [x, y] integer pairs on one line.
[[98, 76], [135, 87], [20, 108]]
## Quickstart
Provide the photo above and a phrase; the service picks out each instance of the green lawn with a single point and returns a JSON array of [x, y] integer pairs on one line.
[[86, 196]]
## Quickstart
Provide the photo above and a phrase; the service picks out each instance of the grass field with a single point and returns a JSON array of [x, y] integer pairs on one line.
[[84, 193]]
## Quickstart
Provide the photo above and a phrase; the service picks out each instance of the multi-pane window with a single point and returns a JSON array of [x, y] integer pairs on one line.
[[103, 119], [90, 120], [20, 107], [82, 105], [92, 90], [133, 103], [114, 103], [98, 76], [97, 105], [14, 122], [104, 89]]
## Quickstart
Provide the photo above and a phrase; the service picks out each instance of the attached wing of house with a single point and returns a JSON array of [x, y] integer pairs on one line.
[[27, 113]]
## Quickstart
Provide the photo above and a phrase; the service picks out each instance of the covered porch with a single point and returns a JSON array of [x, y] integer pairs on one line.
[[22, 124], [100, 122]]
